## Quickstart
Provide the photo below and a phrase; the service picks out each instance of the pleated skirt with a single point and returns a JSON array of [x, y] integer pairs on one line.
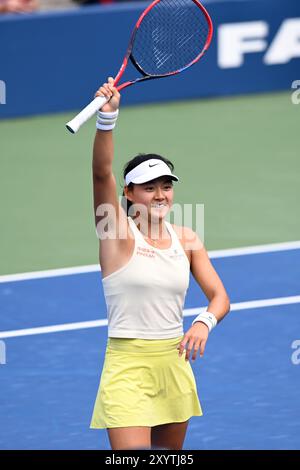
[[144, 383]]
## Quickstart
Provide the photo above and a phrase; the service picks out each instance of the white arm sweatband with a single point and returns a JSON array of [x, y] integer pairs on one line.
[[208, 318], [106, 121]]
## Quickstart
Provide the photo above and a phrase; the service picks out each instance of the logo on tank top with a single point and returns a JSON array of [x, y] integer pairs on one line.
[[146, 252], [176, 254]]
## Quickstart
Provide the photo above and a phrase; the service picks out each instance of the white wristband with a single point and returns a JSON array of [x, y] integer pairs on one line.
[[208, 318], [106, 121]]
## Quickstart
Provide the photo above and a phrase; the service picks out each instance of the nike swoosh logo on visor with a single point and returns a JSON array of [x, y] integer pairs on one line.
[[153, 165]]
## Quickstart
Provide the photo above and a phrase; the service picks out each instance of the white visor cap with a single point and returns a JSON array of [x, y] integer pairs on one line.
[[148, 171]]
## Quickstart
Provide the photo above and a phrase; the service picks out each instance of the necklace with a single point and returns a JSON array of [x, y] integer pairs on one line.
[[154, 242], [151, 241]]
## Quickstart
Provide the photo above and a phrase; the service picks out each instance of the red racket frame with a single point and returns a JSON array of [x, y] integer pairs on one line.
[[148, 77]]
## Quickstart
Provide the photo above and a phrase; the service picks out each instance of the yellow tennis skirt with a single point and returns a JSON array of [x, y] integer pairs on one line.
[[144, 383]]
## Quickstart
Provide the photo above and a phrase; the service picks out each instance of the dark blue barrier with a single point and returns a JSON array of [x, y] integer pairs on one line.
[[54, 62]]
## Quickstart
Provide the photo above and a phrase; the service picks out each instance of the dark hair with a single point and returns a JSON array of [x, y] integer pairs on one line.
[[135, 161]]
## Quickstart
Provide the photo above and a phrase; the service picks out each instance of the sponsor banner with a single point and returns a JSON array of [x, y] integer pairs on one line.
[[53, 62]]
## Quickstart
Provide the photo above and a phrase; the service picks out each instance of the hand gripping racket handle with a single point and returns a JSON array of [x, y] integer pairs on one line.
[[85, 114]]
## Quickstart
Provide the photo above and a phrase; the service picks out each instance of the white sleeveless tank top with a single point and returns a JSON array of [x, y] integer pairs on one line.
[[145, 298]]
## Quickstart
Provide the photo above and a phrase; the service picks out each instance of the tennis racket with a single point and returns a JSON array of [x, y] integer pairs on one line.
[[169, 37]]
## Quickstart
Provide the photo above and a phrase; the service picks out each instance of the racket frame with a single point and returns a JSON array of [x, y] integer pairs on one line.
[[146, 76], [74, 125]]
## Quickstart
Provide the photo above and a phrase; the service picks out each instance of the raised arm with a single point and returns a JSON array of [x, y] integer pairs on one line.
[[106, 203]]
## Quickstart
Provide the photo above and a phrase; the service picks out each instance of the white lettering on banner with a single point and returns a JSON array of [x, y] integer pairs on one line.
[[2, 92], [286, 45], [237, 39]]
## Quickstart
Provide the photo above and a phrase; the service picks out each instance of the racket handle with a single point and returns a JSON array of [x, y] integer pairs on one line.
[[85, 114]]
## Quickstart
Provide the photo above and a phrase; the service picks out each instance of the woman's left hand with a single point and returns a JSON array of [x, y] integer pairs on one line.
[[196, 338]]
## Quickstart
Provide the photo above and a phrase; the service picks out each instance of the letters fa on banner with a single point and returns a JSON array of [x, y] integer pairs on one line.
[[237, 39]]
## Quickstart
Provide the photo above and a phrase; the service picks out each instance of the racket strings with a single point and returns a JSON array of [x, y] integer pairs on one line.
[[171, 36]]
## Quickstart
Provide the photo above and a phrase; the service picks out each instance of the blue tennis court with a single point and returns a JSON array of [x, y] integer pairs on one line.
[[53, 329]]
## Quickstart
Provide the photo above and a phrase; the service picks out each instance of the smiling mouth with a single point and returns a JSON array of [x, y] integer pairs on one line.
[[158, 206]]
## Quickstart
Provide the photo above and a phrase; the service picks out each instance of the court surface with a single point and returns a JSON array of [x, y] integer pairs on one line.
[[248, 381], [237, 156]]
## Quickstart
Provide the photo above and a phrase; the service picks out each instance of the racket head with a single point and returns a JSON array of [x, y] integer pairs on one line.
[[162, 44], [169, 37]]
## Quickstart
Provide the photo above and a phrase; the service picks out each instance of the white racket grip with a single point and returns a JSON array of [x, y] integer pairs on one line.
[[86, 114]]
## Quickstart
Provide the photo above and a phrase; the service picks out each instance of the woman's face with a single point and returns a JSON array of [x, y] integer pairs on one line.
[[156, 196]]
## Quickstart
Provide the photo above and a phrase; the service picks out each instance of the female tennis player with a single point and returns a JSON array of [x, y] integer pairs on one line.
[[147, 391]]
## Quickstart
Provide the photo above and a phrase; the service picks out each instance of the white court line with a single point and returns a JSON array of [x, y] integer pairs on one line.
[[250, 250], [187, 313], [49, 273], [255, 249]]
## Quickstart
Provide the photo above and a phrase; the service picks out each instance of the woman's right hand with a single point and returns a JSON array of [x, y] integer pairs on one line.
[[108, 90]]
